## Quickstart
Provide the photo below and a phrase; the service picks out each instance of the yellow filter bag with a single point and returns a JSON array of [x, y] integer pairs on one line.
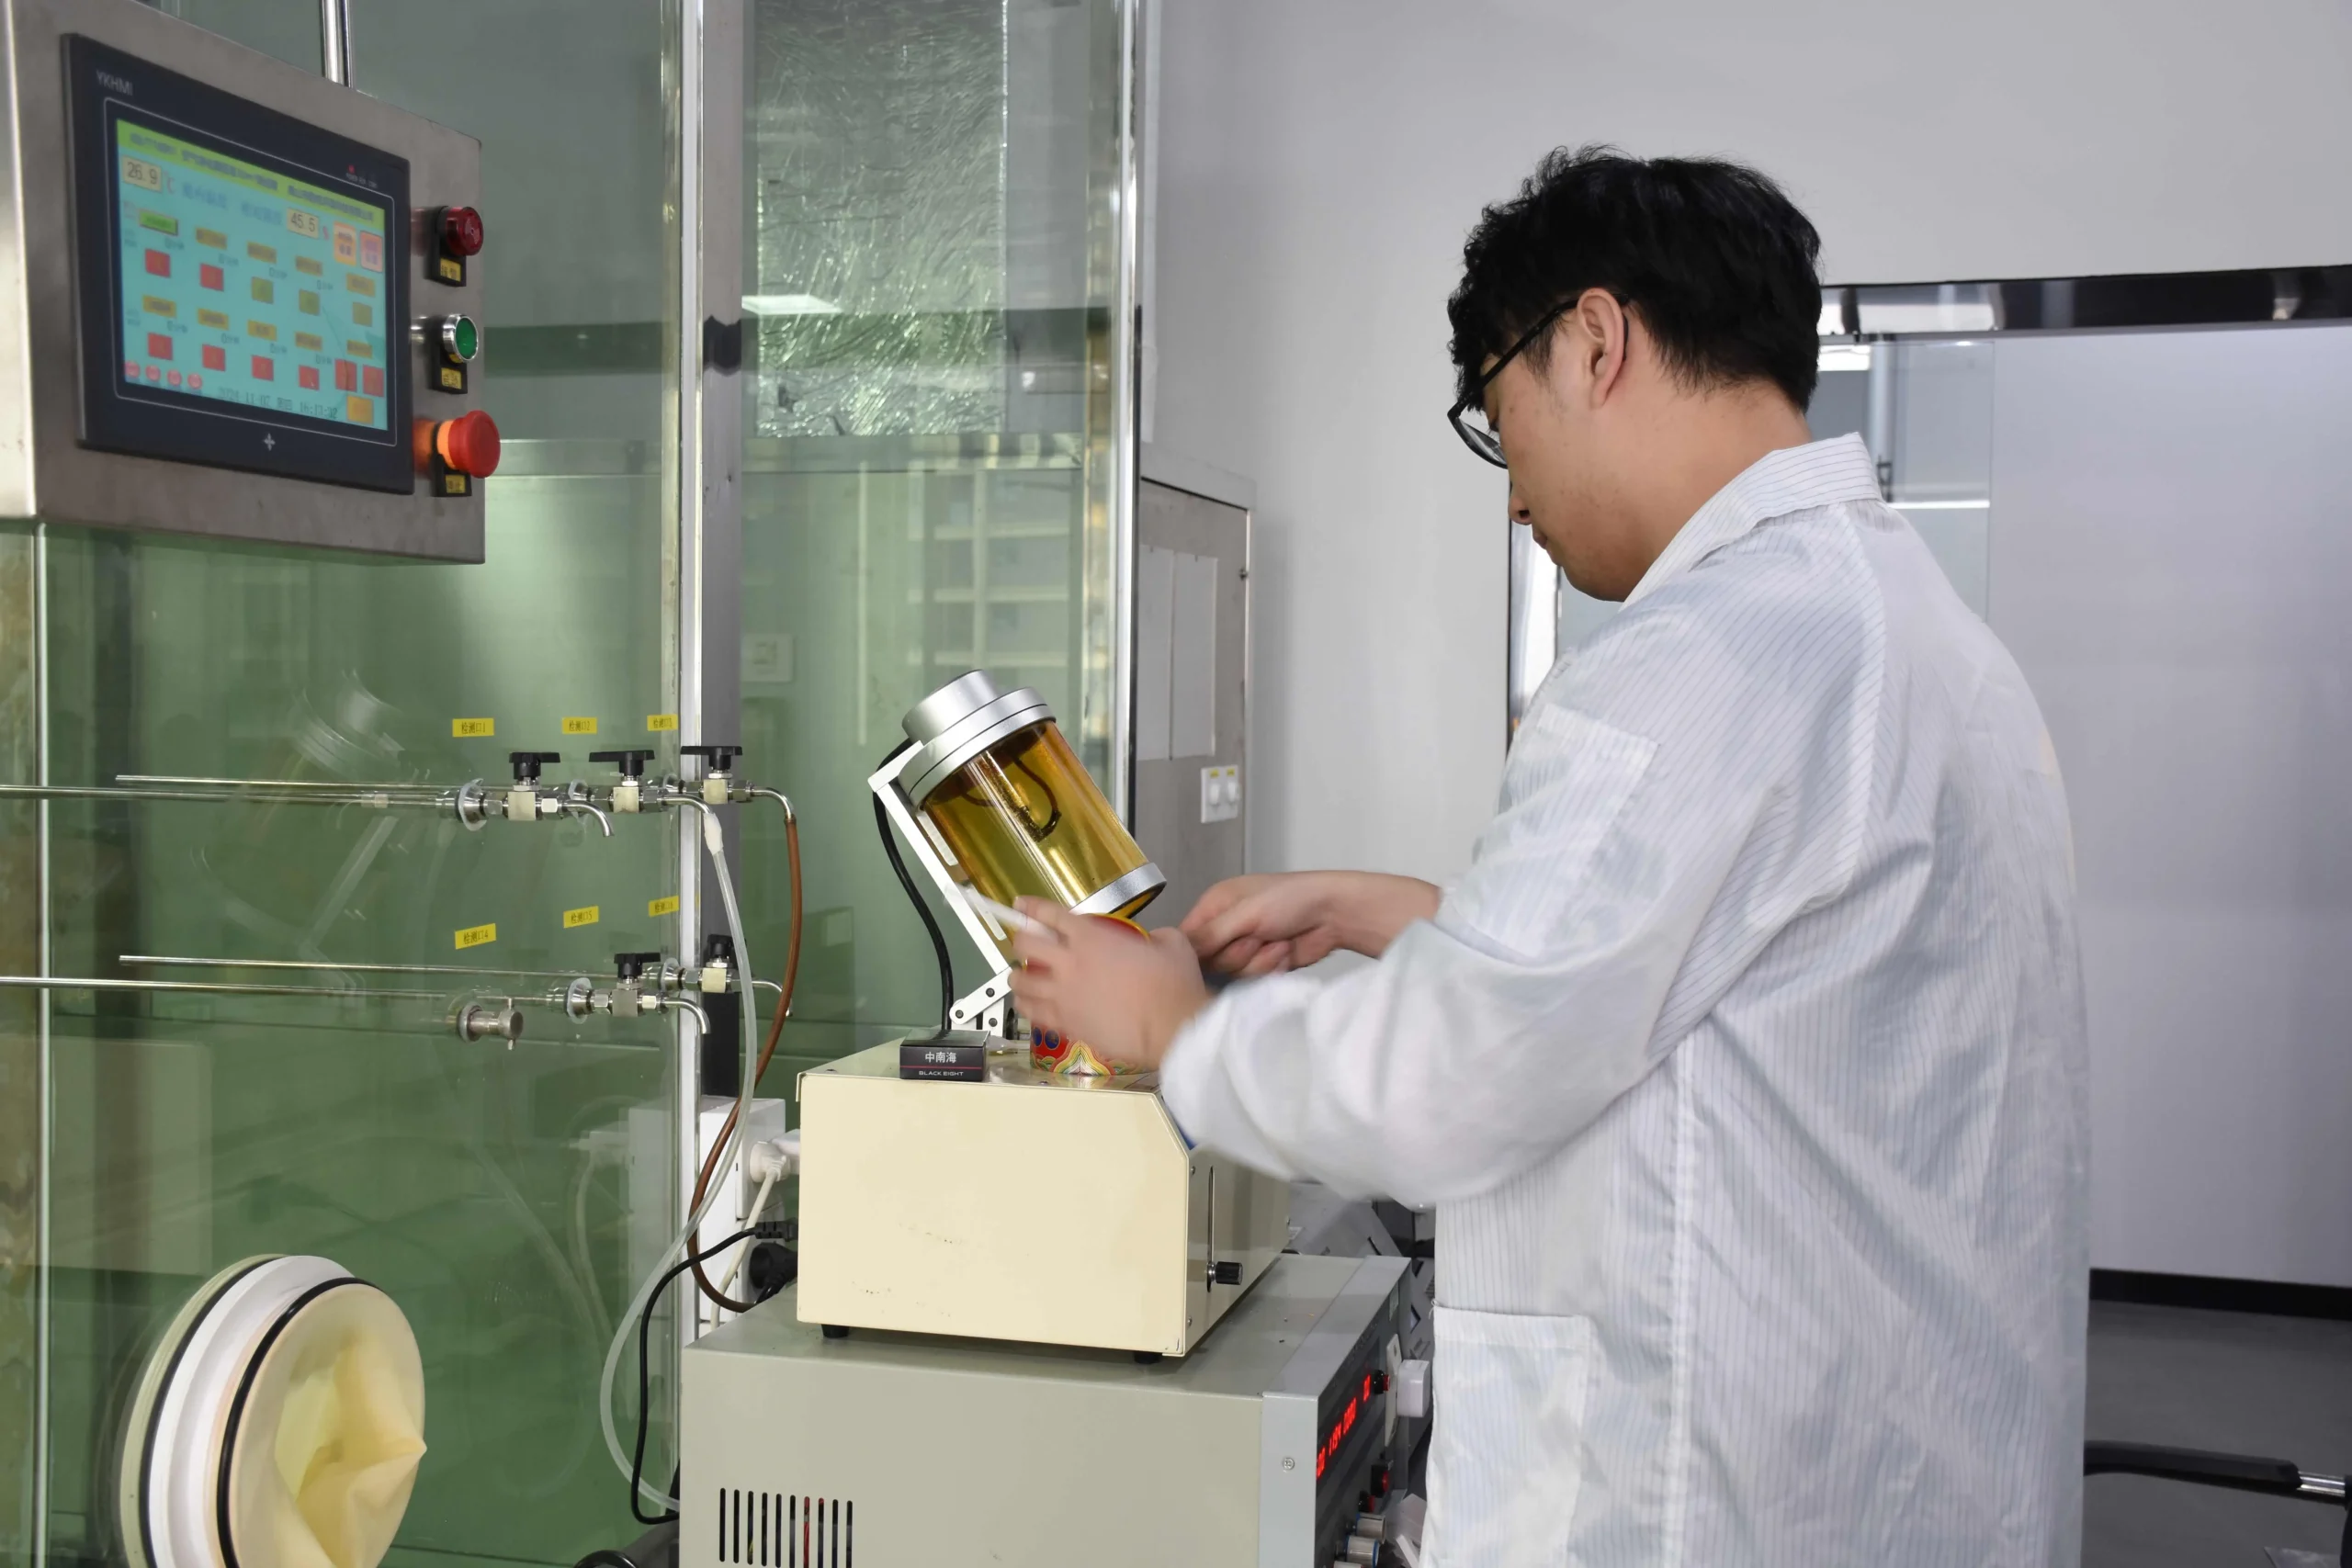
[[329, 1440]]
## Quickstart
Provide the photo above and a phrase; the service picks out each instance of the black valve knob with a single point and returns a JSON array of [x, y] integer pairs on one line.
[[527, 763], [717, 948], [1227, 1273], [630, 965], [630, 763], [722, 758]]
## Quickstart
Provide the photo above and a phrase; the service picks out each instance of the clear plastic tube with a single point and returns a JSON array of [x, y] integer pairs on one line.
[[714, 841]]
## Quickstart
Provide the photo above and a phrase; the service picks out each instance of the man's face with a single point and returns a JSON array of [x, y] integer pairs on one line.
[[1560, 430]]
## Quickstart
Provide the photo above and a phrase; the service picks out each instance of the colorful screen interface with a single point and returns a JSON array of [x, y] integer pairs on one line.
[[248, 287]]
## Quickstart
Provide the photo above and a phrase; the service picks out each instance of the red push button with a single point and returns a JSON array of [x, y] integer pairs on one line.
[[460, 230], [469, 443]]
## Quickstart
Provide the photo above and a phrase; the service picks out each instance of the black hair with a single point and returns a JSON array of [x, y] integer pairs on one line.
[[1712, 256]]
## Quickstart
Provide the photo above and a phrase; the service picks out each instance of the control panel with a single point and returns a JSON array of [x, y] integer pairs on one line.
[[245, 301]]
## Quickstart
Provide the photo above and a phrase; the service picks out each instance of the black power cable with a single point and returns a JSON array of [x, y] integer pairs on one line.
[[914, 896], [644, 1376]]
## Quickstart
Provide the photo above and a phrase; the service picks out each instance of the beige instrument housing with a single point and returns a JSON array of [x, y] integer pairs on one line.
[[1031, 1206]]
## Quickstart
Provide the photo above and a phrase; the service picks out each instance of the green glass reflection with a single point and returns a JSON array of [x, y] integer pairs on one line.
[[927, 480], [289, 29], [508, 1198], [20, 1056]]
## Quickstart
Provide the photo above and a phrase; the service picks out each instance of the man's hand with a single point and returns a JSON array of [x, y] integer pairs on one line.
[[1124, 995], [1258, 925]]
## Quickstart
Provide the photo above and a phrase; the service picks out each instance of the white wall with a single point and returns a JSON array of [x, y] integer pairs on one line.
[[1319, 162]]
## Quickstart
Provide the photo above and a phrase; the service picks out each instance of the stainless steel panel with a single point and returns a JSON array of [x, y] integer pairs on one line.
[[962, 1452], [1192, 853], [44, 470]]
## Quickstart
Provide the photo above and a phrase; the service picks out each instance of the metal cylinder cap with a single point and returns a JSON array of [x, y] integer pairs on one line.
[[958, 722]]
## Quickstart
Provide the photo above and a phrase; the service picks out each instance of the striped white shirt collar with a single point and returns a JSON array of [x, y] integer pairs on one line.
[[1791, 480]]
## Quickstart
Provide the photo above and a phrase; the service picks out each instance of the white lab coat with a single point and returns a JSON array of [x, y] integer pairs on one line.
[[1746, 1068]]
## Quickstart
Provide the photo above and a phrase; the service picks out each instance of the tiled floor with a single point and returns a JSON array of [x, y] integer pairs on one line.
[[2279, 1387]]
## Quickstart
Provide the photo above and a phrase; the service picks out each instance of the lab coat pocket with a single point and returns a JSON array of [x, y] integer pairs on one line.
[[1507, 1459]]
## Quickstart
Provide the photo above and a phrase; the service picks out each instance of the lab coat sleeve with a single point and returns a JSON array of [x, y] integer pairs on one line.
[[1485, 1039]]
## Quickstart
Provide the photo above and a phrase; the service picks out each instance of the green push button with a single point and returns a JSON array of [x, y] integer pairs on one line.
[[460, 339]]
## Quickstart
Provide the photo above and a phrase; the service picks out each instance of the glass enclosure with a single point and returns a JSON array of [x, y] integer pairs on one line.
[[934, 384], [486, 1186], [935, 380]]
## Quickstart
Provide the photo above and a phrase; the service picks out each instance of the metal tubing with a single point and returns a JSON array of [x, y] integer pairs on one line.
[[230, 987], [575, 806], [325, 784], [335, 40], [104, 792], [1125, 429], [158, 960]]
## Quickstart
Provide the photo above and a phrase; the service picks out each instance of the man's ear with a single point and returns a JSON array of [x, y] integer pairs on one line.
[[1598, 328]]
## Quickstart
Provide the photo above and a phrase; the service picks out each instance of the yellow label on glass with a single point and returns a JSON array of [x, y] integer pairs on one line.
[[586, 916], [465, 728], [660, 721], [474, 936], [663, 906], [580, 727]]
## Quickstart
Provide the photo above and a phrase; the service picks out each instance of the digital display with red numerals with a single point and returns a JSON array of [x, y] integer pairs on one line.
[[1359, 1405]]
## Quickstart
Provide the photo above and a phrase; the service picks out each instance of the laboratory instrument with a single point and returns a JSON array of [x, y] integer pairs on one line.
[[989, 795], [239, 298], [1030, 1205], [1272, 1445], [957, 1183]]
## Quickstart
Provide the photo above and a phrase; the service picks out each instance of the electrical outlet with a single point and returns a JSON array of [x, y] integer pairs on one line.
[[1220, 793]]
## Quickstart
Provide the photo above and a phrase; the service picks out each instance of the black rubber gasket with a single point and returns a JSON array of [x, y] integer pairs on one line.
[[245, 1388], [162, 1387]]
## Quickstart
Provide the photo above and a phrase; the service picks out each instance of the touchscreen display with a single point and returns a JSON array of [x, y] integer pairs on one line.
[[248, 287]]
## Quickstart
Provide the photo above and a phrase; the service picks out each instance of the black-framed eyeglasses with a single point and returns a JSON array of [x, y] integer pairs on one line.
[[1468, 417]]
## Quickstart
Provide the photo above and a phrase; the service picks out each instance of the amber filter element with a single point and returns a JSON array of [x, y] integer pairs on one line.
[[1024, 818]]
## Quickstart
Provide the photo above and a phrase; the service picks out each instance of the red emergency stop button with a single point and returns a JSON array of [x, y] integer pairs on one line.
[[460, 230], [468, 444]]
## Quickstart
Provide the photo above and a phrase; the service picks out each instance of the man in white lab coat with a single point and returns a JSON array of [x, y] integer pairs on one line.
[[1745, 1064]]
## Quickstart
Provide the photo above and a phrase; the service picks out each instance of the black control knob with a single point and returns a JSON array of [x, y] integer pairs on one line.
[[630, 965], [722, 758], [717, 948], [1227, 1273], [527, 764], [630, 763]]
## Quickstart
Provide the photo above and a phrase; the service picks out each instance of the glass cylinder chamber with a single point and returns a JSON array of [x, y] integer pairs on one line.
[[1006, 796]]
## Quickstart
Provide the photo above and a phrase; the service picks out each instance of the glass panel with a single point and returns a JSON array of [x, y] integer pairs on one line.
[[932, 272], [507, 1197], [286, 29], [21, 1056]]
